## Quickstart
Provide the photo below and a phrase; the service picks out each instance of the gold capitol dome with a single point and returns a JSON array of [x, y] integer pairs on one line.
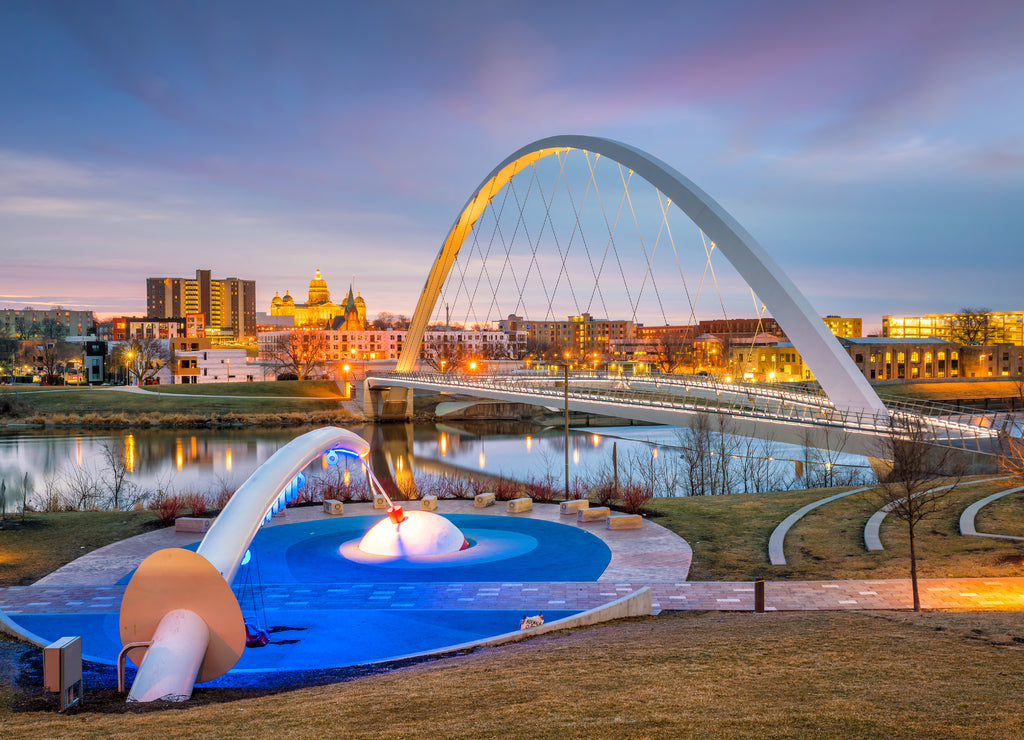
[[318, 310], [318, 292]]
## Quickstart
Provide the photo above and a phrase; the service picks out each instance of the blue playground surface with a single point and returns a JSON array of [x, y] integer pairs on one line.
[[318, 604]]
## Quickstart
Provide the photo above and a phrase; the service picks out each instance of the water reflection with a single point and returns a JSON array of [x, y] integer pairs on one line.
[[206, 460]]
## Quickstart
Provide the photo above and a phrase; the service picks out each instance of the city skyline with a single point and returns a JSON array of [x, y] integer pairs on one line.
[[870, 142]]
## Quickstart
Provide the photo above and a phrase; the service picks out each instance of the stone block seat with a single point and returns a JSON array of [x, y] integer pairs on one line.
[[333, 507], [192, 524], [428, 503], [592, 514], [379, 502], [483, 500], [571, 506], [517, 505], [625, 521]]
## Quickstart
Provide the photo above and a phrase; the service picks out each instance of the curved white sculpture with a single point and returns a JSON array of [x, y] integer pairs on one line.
[[181, 602], [839, 378]]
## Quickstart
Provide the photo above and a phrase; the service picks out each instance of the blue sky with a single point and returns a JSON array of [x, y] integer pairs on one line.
[[875, 149]]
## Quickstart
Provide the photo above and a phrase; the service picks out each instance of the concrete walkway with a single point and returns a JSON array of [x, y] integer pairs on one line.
[[872, 530], [971, 512], [776, 543], [651, 556]]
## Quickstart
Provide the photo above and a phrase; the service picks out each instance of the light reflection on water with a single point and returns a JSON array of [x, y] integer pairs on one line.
[[206, 460]]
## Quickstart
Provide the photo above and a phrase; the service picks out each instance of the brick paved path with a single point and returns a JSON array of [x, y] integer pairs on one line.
[[651, 557]]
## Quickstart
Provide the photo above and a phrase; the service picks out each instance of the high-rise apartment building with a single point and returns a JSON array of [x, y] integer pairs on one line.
[[229, 305]]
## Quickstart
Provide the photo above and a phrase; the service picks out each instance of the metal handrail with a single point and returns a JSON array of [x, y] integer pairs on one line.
[[122, 659], [944, 422]]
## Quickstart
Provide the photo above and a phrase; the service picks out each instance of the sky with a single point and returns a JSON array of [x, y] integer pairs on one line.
[[875, 149]]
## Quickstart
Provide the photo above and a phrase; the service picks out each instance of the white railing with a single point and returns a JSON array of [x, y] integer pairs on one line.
[[943, 424]]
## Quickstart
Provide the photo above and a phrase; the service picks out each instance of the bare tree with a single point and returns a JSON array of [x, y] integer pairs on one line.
[[922, 476], [699, 470], [301, 354], [49, 356], [1011, 456], [444, 354], [672, 352], [122, 493], [823, 449], [971, 326], [142, 358]]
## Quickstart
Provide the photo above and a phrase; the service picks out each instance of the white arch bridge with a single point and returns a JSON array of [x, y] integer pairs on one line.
[[848, 402]]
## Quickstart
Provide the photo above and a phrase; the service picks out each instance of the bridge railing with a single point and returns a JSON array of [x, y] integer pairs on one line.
[[942, 423]]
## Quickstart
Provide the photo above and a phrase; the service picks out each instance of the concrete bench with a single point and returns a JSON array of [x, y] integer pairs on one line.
[[625, 521], [517, 505], [596, 514], [333, 507], [379, 502], [192, 524], [428, 503], [483, 500], [572, 506]]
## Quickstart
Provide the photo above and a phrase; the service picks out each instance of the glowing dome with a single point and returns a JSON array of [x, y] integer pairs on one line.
[[318, 292], [420, 533]]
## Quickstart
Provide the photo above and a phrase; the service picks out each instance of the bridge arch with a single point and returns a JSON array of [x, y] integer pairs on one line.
[[845, 386]]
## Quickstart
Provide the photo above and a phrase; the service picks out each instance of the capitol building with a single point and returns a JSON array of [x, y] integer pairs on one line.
[[319, 311]]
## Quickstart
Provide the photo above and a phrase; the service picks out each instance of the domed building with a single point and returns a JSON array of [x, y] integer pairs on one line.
[[318, 309]]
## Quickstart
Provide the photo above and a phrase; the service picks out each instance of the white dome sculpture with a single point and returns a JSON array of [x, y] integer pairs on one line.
[[419, 533]]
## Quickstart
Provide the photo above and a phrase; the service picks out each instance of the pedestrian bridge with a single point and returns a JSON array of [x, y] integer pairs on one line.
[[760, 410], [573, 225]]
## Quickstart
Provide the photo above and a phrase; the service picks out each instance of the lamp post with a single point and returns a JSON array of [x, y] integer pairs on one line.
[[228, 363], [565, 384]]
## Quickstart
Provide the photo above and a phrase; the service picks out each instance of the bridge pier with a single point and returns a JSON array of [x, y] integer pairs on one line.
[[386, 403]]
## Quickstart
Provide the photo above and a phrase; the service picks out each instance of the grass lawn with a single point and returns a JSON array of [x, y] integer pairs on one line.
[[220, 398], [951, 390], [278, 388], [45, 542], [786, 675], [729, 536]]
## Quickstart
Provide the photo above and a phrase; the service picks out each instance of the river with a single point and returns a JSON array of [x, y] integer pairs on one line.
[[211, 459]]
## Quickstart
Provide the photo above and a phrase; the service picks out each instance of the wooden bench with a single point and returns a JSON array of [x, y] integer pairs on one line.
[[379, 502], [483, 500], [625, 521], [517, 505], [596, 514], [192, 524], [428, 503], [572, 506], [333, 507]]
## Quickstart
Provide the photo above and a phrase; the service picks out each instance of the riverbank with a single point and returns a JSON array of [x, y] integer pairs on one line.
[[217, 405]]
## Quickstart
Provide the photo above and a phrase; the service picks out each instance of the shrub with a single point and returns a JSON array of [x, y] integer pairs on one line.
[[167, 506], [195, 501], [635, 497], [603, 493]]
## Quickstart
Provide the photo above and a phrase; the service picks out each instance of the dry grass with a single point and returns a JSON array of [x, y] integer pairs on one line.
[[45, 542], [786, 675], [950, 390], [56, 405], [729, 536]]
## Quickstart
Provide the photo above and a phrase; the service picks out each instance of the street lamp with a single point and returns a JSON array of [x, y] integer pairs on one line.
[[228, 362]]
